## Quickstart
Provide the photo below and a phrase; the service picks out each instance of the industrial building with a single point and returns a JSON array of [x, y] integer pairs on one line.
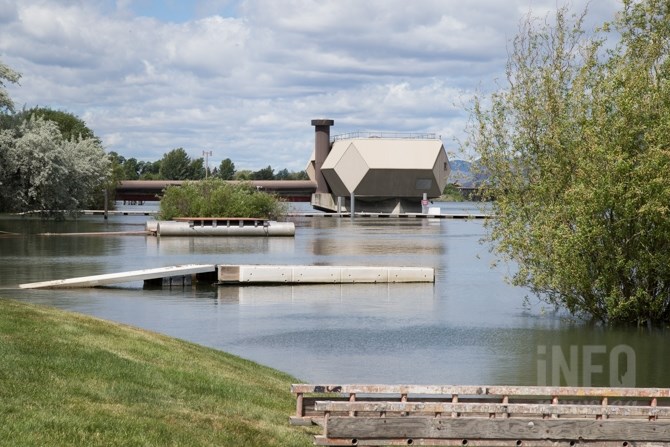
[[376, 172]]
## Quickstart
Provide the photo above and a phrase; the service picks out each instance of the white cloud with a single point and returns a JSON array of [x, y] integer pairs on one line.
[[244, 78]]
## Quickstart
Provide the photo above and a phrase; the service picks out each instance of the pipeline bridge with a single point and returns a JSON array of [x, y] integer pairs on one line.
[[289, 190]]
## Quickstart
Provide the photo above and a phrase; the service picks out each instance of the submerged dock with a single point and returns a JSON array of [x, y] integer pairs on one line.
[[123, 277], [248, 274]]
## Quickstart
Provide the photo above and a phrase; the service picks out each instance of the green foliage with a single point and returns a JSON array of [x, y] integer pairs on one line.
[[451, 193], [42, 171], [71, 380], [264, 174], [244, 174], [576, 149], [217, 198], [70, 126], [226, 169], [285, 174], [7, 75], [175, 165]]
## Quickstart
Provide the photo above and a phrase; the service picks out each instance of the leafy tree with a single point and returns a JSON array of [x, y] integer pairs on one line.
[[7, 75], [226, 169], [149, 170], [70, 126], [47, 173], [244, 174], [197, 169], [175, 165], [263, 174], [578, 157], [131, 169], [300, 175], [451, 193]]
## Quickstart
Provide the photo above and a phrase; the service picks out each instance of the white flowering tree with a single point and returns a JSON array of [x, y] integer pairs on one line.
[[7, 75], [44, 172], [39, 168]]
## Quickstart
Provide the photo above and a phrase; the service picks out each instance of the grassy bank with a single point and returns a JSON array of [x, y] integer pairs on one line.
[[68, 379]]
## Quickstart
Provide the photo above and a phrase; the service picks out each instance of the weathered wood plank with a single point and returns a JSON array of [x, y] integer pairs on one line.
[[322, 440], [472, 390], [507, 429], [519, 409]]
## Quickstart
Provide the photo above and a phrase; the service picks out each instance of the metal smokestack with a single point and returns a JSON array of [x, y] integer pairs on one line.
[[321, 150]]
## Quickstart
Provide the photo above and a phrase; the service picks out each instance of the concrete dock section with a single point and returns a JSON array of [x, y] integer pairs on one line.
[[311, 274]]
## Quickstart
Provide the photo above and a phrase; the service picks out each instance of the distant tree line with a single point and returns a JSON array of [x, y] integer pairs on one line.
[[177, 165], [52, 162]]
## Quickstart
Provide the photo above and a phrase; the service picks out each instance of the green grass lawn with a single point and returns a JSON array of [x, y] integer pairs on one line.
[[68, 379]]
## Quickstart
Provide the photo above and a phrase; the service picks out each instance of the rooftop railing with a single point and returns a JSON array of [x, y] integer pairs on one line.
[[394, 135]]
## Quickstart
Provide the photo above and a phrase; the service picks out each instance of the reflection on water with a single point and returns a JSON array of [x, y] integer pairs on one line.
[[468, 328]]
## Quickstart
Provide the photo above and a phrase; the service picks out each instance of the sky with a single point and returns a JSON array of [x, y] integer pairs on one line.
[[244, 78]]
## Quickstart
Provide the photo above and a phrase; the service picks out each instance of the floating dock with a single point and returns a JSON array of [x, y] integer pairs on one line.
[[249, 274], [221, 226], [321, 274]]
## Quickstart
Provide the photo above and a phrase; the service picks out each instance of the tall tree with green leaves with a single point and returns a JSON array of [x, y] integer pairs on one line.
[[226, 169], [264, 174], [11, 76], [175, 165], [577, 147], [70, 125]]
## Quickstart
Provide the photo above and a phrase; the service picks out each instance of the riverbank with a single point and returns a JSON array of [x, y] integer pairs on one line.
[[69, 379]]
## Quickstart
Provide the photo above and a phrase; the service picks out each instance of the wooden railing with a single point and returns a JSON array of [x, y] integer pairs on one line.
[[484, 415]]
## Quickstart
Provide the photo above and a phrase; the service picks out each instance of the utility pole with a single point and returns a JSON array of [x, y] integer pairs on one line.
[[206, 154]]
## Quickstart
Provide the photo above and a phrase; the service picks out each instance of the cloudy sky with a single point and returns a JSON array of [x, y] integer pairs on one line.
[[244, 78]]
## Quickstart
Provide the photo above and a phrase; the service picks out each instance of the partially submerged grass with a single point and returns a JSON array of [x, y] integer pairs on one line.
[[68, 379]]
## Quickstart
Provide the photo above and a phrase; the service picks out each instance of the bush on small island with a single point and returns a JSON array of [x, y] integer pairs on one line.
[[451, 193], [217, 198]]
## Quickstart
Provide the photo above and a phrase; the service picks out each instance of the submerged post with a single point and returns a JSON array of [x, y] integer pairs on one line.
[[353, 209], [106, 206]]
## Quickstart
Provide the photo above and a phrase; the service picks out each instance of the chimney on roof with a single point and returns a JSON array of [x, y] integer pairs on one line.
[[321, 150]]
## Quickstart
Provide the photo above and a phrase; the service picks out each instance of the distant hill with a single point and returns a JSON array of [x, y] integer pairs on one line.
[[461, 173]]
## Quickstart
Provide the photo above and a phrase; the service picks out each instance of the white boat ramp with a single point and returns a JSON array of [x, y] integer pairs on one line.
[[249, 274]]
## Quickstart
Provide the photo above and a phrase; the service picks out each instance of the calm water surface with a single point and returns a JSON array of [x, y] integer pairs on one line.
[[470, 327]]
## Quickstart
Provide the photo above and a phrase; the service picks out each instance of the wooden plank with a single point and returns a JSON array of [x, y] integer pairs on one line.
[[473, 390], [509, 429], [484, 408], [118, 278], [322, 440]]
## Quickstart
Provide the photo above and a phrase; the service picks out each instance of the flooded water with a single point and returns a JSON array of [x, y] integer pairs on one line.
[[470, 327]]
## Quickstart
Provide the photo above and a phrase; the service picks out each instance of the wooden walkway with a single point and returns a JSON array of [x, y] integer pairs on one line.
[[505, 416]]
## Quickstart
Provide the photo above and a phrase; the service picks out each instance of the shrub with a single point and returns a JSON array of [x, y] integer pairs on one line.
[[217, 198]]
